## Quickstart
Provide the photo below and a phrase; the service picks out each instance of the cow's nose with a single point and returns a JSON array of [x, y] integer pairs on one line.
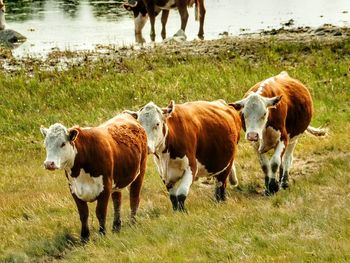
[[252, 136], [50, 165]]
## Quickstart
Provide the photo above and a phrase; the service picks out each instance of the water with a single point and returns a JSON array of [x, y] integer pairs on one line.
[[83, 24]]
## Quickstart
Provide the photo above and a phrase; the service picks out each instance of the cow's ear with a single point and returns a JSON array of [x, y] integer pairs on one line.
[[132, 113], [272, 102], [169, 109], [43, 130], [238, 105], [73, 134]]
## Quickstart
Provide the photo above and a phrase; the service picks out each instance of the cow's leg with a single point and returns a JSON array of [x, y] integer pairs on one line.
[[173, 197], [275, 162], [140, 22], [233, 175], [164, 19], [265, 167], [183, 189], [101, 210], [117, 201], [83, 210], [220, 187], [202, 12], [287, 162], [135, 189], [182, 7]]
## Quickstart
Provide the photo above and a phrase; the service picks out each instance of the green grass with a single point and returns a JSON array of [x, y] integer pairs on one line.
[[310, 222]]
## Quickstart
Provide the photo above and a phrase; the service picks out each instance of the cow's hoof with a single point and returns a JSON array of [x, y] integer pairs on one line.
[[102, 231], [284, 184], [181, 199], [84, 240], [174, 202], [116, 226], [272, 187], [220, 194]]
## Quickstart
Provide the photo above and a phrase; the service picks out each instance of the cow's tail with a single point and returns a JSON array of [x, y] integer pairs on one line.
[[320, 132]]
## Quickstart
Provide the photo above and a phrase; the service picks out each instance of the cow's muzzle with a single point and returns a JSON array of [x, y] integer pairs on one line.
[[252, 136], [50, 165]]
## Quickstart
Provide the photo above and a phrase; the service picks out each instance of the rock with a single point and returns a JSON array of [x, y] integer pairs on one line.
[[11, 38], [337, 33]]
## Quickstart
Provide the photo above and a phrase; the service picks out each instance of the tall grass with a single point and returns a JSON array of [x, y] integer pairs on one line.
[[309, 222]]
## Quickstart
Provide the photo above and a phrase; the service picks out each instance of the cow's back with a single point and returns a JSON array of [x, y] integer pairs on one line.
[[129, 144], [207, 130], [295, 108]]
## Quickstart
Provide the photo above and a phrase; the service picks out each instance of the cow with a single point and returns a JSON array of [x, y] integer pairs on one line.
[[99, 162], [143, 8], [274, 113], [191, 140], [2, 15]]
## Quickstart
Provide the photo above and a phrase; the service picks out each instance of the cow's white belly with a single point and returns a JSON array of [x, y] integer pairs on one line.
[[172, 170], [168, 5], [86, 187]]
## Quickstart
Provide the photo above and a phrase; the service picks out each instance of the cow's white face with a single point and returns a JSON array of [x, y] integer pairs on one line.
[[153, 120], [255, 112], [59, 147]]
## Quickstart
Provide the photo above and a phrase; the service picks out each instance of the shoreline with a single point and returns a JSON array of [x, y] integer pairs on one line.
[[243, 45]]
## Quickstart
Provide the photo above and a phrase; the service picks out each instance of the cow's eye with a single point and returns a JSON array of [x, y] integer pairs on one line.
[[63, 144], [156, 126]]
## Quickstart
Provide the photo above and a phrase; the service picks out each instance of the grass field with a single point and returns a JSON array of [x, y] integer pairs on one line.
[[309, 222]]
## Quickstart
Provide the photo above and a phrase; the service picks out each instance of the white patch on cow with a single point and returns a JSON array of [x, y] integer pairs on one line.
[[276, 157], [270, 138], [264, 83], [86, 187], [288, 154], [176, 169], [255, 114], [185, 183], [140, 22], [60, 151], [169, 5]]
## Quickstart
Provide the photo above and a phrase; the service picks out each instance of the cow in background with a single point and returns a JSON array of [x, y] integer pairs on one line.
[[98, 162], [274, 113], [143, 8], [191, 140], [2, 15]]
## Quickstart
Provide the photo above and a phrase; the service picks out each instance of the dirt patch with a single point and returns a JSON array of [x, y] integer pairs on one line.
[[243, 46]]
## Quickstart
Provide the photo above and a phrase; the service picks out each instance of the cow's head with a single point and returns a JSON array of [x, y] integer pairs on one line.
[[2, 15], [255, 112], [153, 120], [59, 146], [140, 16]]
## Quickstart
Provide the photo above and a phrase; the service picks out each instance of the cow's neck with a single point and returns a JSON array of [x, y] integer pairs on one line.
[[163, 145], [79, 160]]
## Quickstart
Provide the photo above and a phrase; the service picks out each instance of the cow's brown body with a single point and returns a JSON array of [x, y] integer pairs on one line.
[[198, 139], [293, 113], [288, 106], [115, 150]]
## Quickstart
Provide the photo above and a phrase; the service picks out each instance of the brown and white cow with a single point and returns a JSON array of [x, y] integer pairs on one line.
[[274, 113], [98, 162], [191, 140], [2, 15], [142, 8]]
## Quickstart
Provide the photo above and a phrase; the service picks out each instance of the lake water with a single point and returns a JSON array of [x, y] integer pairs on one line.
[[83, 24]]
